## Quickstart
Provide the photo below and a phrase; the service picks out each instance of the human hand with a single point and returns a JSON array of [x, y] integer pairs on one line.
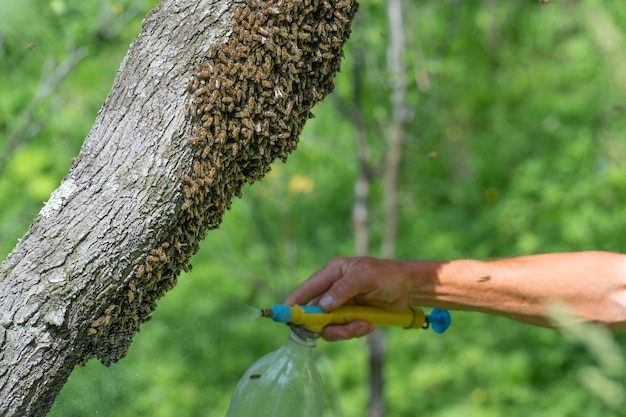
[[362, 280]]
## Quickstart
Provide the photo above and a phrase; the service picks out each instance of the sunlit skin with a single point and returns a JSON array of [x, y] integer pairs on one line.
[[592, 284]]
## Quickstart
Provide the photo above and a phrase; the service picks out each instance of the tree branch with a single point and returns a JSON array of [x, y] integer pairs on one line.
[[210, 93]]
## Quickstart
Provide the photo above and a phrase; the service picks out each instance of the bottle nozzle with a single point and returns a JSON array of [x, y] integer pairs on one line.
[[315, 319]]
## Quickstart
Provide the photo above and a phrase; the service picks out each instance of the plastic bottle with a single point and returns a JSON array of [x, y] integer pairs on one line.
[[283, 383]]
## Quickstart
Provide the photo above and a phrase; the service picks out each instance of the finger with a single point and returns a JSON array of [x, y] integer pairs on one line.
[[356, 328], [317, 283], [316, 302], [350, 286]]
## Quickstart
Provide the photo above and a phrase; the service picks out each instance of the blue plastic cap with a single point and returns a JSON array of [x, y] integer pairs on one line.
[[281, 313], [439, 320], [313, 310]]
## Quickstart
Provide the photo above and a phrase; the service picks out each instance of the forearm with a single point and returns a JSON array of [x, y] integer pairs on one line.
[[592, 284]]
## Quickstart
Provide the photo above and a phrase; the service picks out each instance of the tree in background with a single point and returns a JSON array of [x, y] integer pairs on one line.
[[386, 170]]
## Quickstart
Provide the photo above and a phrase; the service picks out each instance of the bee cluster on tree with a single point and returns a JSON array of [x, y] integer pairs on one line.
[[247, 104]]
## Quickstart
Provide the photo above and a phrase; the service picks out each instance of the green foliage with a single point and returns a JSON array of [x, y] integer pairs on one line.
[[515, 146]]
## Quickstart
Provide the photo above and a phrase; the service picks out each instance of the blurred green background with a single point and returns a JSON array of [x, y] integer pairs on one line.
[[515, 146]]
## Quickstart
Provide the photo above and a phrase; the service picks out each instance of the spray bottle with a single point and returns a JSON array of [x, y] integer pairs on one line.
[[286, 381]]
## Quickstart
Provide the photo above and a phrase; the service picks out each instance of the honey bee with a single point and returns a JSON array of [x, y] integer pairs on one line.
[[160, 253], [278, 92], [282, 32], [233, 127], [198, 169], [288, 108], [110, 309], [151, 259], [101, 321], [206, 123], [193, 140], [242, 50], [140, 271], [204, 181], [238, 12], [192, 84], [247, 123], [260, 18]]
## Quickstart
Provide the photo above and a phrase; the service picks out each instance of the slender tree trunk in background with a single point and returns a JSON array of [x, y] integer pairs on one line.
[[377, 342], [360, 209], [399, 112], [397, 74], [360, 206], [209, 94]]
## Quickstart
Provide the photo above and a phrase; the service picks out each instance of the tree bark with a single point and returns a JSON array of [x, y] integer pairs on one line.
[[399, 114], [209, 94], [397, 72], [360, 209]]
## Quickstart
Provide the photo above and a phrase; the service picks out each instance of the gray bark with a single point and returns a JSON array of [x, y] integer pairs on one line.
[[190, 119], [378, 340]]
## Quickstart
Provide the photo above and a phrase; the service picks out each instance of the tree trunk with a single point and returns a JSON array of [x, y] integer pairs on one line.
[[209, 94], [397, 73]]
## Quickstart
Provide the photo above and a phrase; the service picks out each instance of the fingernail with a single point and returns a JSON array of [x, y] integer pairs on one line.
[[326, 301]]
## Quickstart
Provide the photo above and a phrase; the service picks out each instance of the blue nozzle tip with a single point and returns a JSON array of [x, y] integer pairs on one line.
[[281, 313], [439, 320]]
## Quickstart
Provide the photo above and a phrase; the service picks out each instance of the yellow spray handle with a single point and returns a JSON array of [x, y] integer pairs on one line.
[[314, 318]]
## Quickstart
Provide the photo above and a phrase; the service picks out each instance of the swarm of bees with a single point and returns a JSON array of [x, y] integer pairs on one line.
[[247, 104]]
